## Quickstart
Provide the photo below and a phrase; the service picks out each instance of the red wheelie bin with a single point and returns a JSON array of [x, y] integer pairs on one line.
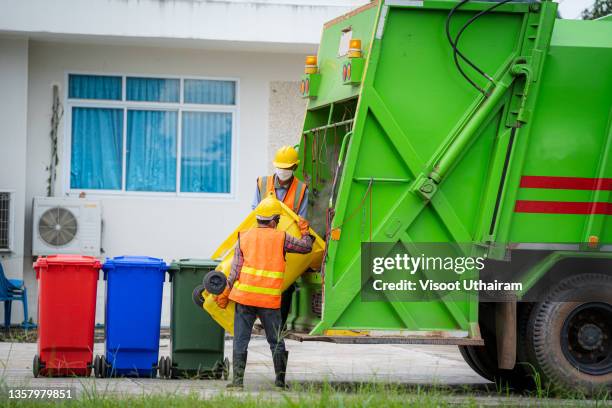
[[67, 286]]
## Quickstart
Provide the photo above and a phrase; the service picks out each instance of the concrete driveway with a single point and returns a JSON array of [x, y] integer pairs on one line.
[[310, 362]]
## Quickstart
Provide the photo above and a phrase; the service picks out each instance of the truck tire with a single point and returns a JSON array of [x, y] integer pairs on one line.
[[571, 341], [483, 359], [467, 352]]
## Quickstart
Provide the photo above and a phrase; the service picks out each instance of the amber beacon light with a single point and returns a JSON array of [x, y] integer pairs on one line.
[[311, 79], [311, 65], [354, 49]]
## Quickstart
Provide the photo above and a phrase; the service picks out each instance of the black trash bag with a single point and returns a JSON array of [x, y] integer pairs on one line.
[[197, 297], [215, 282]]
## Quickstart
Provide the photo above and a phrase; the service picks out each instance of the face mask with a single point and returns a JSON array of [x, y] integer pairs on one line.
[[284, 174]]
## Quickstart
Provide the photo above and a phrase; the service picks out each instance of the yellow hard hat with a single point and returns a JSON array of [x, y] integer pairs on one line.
[[285, 157], [268, 208]]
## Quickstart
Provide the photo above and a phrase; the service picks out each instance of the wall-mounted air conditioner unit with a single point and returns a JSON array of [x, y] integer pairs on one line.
[[7, 220], [66, 226]]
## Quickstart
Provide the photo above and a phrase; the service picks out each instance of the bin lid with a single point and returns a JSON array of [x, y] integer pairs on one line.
[[194, 262], [134, 261], [64, 259]]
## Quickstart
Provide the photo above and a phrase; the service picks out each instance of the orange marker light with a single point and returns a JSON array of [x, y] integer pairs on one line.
[[593, 241], [311, 60], [354, 48], [311, 65], [335, 234]]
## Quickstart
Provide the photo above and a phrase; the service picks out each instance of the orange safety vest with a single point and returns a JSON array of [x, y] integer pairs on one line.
[[293, 197], [260, 280]]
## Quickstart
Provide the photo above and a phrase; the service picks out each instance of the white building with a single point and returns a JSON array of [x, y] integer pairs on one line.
[[146, 86]]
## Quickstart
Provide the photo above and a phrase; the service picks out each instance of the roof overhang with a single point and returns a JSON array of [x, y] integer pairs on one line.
[[273, 25]]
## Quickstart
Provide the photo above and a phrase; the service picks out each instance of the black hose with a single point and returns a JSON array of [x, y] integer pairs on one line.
[[466, 25], [454, 43], [457, 52]]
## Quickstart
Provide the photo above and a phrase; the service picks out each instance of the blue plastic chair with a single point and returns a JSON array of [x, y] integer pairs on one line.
[[13, 290]]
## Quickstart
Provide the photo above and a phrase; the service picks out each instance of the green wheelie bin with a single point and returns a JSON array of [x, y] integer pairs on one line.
[[196, 340]]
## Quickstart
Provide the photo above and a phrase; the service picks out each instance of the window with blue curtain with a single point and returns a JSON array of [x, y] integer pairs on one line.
[[96, 148], [151, 150], [153, 89], [206, 152], [210, 92], [94, 87], [135, 133]]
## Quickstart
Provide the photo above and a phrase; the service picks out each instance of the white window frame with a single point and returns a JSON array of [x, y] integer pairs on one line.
[[126, 105]]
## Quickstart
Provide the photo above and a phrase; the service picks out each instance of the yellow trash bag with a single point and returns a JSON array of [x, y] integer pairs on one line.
[[295, 266]]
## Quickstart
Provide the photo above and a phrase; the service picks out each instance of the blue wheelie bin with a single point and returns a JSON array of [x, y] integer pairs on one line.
[[134, 287]]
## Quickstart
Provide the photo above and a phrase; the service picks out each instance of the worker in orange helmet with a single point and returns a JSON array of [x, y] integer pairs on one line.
[[255, 284], [291, 191]]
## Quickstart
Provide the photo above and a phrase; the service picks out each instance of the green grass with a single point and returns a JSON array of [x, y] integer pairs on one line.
[[18, 335], [319, 394], [264, 399]]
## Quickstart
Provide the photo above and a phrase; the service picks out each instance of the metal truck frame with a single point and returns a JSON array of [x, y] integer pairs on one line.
[[466, 122]]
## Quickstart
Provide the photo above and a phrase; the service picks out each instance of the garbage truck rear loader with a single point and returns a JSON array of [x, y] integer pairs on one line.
[[477, 122]]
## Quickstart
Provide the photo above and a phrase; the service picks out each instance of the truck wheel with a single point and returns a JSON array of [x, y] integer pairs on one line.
[[467, 352], [483, 359], [572, 340]]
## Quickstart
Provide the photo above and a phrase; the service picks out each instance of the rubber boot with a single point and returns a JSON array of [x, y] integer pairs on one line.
[[280, 368], [238, 365]]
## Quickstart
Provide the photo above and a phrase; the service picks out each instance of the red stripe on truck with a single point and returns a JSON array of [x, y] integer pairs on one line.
[[562, 207], [568, 183]]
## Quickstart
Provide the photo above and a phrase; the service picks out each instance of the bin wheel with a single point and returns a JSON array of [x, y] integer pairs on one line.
[[104, 367], [168, 367], [160, 367], [197, 297], [96, 366], [217, 371], [165, 367], [37, 366], [226, 368], [215, 282]]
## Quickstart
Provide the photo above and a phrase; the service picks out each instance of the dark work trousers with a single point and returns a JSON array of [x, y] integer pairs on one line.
[[243, 325], [286, 304]]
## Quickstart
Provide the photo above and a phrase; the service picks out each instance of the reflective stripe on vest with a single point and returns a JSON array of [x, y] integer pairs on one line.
[[260, 280], [257, 289], [293, 197]]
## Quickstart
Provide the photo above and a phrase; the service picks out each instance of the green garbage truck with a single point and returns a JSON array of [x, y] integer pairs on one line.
[[486, 124]]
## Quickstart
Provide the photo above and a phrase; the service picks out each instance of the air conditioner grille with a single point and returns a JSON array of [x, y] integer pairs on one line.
[[57, 226], [5, 218]]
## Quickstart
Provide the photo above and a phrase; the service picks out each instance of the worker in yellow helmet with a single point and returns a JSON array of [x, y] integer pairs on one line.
[[291, 191], [255, 283], [287, 188]]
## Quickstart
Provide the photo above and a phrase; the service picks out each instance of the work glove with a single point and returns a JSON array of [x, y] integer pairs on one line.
[[223, 299], [304, 226]]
